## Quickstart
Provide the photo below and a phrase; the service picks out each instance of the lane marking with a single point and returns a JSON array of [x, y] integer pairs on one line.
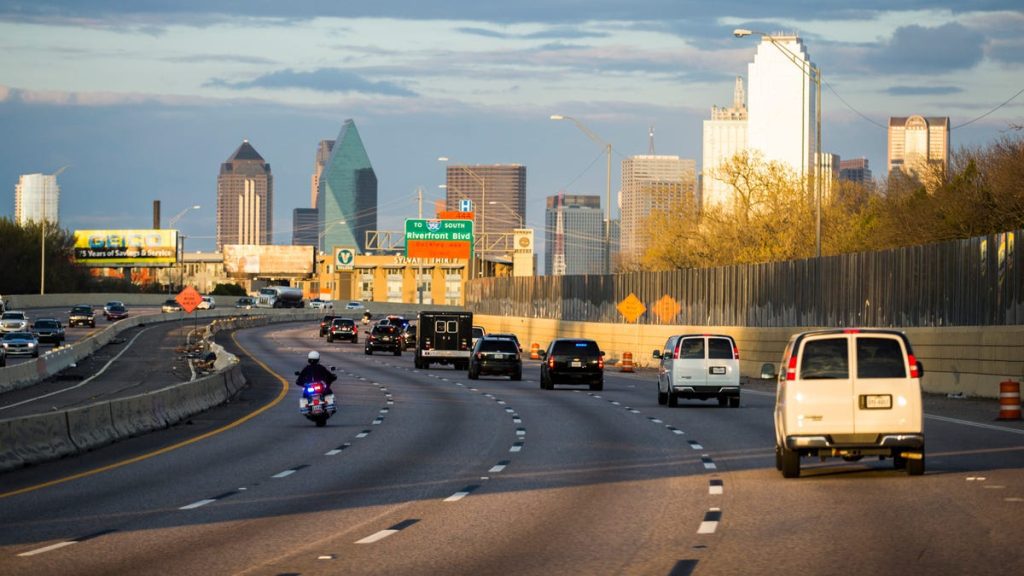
[[337, 450], [708, 463], [675, 430], [198, 504], [711, 519], [363, 434], [715, 487], [695, 445], [517, 420], [499, 466], [377, 420], [520, 431], [974, 424], [378, 536], [516, 447], [285, 386], [49, 548], [462, 493], [509, 410], [655, 420], [284, 474]]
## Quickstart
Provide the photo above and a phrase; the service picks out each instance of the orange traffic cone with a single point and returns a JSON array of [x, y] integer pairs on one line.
[[1009, 400], [535, 351], [627, 362]]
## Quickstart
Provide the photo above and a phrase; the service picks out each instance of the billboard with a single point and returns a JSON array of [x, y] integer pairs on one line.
[[438, 238], [126, 248], [251, 260]]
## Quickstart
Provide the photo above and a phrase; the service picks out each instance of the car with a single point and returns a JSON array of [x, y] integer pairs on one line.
[[478, 333], [317, 303], [701, 367], [409, 335], [572, 361], [207, 303], [48, 330], [384, 337], [500, 356], [851, 392], [82, 315], [13, 321], [20, 343], [507, 336], [115, 312], [109, 305], [247, 302], [325, 324], [343, 329], [170, 305], [354, 305]]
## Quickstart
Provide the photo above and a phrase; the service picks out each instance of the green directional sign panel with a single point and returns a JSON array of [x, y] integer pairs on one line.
[[426, 238]]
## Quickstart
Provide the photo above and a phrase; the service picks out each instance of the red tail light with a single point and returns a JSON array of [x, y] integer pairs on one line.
[[735, 353], [479, 355], [913, 366], [551, 361], [600, 362], [791, 371]]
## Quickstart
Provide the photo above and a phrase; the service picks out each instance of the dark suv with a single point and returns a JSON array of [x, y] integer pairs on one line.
[[385, 337], [82, 315], [325, 324], [495, 356], [343, 329], [572, 361], [48, 330]]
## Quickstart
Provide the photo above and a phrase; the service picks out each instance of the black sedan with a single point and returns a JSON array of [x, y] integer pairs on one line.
[[572, 361]]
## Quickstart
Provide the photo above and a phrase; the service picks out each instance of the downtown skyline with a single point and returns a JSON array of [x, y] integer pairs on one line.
[[142, 105]]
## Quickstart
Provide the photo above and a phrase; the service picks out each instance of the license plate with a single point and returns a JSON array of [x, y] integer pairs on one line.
[[876, 401], [499, 356], [576, 364], [718, 369]]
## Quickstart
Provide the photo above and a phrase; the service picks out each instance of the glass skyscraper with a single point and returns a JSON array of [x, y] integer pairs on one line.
[[582, 234], [346, 198], [36, 197]]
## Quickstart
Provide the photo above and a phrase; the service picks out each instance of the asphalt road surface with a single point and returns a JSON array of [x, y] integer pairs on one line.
[[427, 472]]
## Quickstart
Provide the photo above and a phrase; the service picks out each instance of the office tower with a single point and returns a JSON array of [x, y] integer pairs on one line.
[[323, 154], [582, 234], [725, 135], [37, 197], [498, 193], [919, 147], [782, 121], [856, 170], [304, 227], [651, 184], [830, 168], [347, 194], [245, 198]]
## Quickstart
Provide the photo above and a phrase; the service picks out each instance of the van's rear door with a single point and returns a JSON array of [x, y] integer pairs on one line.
[[888, 399], [820, 400], [689, 368], [723, 367]]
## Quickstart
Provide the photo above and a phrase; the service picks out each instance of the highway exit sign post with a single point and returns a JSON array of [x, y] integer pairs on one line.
[[426, 238]]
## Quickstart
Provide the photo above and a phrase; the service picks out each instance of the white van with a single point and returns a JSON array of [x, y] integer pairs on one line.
[[699, 366], [848, 393]]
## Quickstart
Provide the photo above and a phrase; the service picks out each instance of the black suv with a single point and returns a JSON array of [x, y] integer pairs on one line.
[[325, 324], [82, 315], [572, 361], [385, 337], [48, 330], [496, 356], [343, 329]]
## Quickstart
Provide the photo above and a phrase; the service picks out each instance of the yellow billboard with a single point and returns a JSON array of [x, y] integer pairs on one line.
[[266, 261], [126, 248]]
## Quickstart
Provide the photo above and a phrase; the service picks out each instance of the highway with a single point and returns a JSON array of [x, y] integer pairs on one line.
[[427, 472]]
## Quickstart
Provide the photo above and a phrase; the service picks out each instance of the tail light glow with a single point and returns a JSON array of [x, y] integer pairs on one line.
[[600, 362], [791, 370], [913, 366], [551, 361]]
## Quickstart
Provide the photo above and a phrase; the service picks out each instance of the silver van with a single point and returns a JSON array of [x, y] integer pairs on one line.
[[699, 367]]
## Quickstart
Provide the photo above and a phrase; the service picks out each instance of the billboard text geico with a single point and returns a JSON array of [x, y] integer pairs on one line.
[[250, 260], [118, 248]]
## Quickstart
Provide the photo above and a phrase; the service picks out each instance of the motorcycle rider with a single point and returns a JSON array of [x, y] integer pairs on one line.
[[315, 371]]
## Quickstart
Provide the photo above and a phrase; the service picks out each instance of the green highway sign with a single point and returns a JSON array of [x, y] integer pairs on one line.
[[436, 238]]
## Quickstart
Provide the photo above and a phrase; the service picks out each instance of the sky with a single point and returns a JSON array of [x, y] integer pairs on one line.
[[144, 100]]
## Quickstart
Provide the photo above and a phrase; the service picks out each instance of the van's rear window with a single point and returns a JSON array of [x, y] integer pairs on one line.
[[880, 358], [720, 349], [825, 359]]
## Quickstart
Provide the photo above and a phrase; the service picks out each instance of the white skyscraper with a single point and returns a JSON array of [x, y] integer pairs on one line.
[[725, 135], [37, 196], [781, 125], [651, 184]]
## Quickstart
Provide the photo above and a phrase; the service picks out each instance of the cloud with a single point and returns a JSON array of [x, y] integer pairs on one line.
[[923, 90], [552, 33], [228, 58], [319, 80], [919, 50]]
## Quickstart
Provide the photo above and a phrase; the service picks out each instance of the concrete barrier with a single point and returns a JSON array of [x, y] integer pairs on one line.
[[41, 437], [135, 415], [9, 458], [91, 426]]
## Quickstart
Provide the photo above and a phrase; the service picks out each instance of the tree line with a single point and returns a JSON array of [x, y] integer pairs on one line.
[[772, 215]]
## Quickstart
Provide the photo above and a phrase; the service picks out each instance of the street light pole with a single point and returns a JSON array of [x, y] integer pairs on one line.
[[814, 73], [608, 187]]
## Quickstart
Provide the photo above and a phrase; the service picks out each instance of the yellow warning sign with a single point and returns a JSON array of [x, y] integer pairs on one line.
[[666, 309], [631, 308]]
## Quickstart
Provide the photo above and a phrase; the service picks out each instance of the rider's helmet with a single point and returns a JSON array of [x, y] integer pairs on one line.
[[313, 357]]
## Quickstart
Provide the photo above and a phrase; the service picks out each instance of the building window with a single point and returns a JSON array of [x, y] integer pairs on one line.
[[394, 283], [366, 285], [453, 287], [424, 286]]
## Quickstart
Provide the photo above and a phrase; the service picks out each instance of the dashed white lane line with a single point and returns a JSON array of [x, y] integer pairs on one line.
[[337, 450], [517, 420], [462, 493], [715, 487], [378, 536], [695, 445], [284, 474], [708, 463], [377, 420], [363, 434], [710, 523], [520, 431], [49, 548], [198, 504], [499, 466], [516, 447]]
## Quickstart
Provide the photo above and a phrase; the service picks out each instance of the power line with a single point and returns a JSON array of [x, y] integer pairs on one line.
[[1010, 99]]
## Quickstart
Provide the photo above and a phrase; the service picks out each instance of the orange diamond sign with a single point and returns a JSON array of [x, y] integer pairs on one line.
[[631, 308], [666, 309], [189, 298]]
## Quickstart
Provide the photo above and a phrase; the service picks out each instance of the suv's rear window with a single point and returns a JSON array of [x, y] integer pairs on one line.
[[825, 359], [573, 347], [880, 358], [720, 349], [496, 345]]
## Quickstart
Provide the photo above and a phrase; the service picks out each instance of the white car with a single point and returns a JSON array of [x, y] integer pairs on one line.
[[207, 303], [14, 321], [701, 367], [354, 305], [319, 304], [849, 393]]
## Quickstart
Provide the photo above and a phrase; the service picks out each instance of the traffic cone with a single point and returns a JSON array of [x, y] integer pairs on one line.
[[626, 365], [1009, 400], [535, 351]]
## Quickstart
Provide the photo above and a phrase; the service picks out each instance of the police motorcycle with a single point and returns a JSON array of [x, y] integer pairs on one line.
[[317, 403]]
